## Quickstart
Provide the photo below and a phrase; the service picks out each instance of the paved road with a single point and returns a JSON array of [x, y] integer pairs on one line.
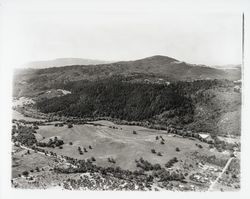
[[219, 176]]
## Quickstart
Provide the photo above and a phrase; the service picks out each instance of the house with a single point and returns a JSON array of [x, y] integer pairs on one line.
[[205, 137]]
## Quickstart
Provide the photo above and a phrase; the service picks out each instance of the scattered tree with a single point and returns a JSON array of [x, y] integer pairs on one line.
[[153, 151], [25, 173], [159, 154]]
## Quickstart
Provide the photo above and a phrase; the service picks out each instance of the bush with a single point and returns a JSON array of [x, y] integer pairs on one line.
[[93, 159], [60, 147], [177, 149], [159, 154], [36, 127], [153, 151], [70, 143], [70, 125], [171, 162], [134, 132], [157, 167], [157, 138], [162, 142], [90, 147], [25, 173]]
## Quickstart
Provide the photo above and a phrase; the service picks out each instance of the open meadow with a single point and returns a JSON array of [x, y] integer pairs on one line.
[[108, 140]]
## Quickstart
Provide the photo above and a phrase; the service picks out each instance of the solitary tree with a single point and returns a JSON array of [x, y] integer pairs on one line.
[[25, 173], [153, 151]]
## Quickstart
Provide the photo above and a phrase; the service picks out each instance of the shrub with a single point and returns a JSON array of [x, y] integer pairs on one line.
[[36, 127], [93, 159], [60, 147], [70, 125], [90, 147], [70, 143], [157, 167], [153, 151], [171, 162], [25, 173], [134, 132], [162, 142], [159, 154], [177, 149], [157, 138]]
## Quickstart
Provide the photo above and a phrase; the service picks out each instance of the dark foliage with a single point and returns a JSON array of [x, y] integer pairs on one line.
[[25, 136], [118, 99]]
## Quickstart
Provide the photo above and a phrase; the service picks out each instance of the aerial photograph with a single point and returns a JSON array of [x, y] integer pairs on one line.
[[122, 99]]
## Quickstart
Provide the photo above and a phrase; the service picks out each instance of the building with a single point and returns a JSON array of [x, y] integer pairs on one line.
[[205, 137]]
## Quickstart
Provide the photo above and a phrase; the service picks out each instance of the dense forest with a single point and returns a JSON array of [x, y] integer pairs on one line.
[[178, 103], [118, 99]]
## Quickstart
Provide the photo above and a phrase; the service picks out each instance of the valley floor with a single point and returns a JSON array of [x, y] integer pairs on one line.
[[104, 140]]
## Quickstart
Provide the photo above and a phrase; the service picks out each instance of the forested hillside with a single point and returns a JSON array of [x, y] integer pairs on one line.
[[197, 105]]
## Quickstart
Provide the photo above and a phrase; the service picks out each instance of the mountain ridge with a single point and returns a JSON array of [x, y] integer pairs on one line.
[[155, 67], [58, 62]]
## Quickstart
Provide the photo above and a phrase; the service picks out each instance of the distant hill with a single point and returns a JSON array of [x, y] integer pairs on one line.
[[229, 66], [63, 62], [28, 82]]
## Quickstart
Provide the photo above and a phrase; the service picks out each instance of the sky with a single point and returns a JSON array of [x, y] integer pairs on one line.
[[115, 30]]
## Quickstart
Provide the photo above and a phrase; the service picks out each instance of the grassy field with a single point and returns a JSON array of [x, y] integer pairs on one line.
[[21, 161], [121, 144], [18, 116]]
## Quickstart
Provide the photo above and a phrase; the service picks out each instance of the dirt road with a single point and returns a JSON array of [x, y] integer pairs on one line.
[[219, 176]]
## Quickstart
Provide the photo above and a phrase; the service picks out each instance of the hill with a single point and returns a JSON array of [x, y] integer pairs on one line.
[[202, 105], [29, 82], [63, 62]]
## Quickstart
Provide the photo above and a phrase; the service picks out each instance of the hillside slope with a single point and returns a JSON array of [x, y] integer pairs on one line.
[[203, 105], [28, 82]]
